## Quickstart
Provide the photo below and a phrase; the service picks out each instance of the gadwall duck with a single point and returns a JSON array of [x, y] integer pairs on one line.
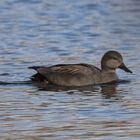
[[81, 74]]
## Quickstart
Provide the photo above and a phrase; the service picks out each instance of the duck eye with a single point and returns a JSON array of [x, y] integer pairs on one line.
[[114, 58]]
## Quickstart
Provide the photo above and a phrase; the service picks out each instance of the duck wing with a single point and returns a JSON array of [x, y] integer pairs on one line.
[[67, 74]]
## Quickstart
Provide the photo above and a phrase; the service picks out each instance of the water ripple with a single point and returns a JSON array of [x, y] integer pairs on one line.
[[35, 32]]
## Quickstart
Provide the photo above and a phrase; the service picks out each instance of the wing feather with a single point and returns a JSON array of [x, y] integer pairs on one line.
[[68, 74], [72, 69]]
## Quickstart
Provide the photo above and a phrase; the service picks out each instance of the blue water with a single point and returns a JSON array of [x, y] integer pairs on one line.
[[47, 32]]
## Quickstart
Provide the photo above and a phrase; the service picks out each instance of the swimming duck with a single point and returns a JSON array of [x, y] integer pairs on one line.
[[81, 74]]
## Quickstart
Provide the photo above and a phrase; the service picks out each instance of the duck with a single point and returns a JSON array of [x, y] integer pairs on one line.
[[81, 74]]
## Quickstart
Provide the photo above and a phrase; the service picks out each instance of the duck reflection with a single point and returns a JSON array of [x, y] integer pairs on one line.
[[107, 90]]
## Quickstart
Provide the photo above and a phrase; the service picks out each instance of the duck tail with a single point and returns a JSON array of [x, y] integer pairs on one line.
[[38, 78], [34, 67]]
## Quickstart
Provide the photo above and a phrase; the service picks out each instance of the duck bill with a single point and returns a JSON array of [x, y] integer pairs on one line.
[[123, 67]]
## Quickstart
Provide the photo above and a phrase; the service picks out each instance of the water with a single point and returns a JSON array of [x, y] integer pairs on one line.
[[47, 32]]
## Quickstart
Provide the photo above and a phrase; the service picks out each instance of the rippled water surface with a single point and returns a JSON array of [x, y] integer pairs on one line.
[[46, 32]]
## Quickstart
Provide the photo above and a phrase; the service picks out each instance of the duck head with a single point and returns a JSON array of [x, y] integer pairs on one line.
[[113, 60]]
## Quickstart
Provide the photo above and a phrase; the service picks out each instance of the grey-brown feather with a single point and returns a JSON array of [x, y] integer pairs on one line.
[[68, 74]]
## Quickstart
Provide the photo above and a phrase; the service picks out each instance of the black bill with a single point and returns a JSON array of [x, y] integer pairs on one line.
[[123, 67]]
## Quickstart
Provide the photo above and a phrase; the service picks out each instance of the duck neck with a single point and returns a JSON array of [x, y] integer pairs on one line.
[[108, 70], [108, 75]]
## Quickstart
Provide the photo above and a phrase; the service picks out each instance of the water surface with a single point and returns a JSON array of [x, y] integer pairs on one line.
[[35, 32]]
